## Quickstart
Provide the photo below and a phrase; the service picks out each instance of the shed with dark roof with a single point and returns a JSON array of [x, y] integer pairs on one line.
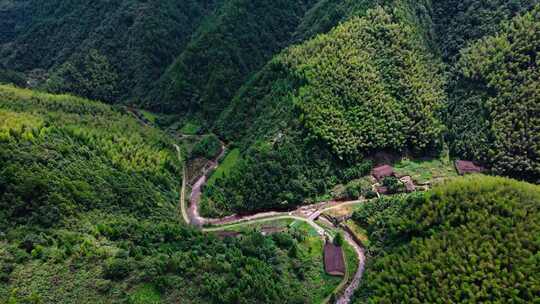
[[467, 167], [383, 171]]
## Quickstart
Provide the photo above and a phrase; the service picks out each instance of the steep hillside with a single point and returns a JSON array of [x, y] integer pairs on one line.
[[237, 41], [459, 23], [494, 111], [125, 45], [62, 155], [306, 96], [320, 107], [473, 240], [366, 87], [88, 214], [326, 14]]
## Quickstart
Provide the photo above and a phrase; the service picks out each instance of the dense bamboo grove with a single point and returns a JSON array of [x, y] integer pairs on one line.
[[307, 96], [494, 115], [86, 187], [109, 50], [235, 42], [469, 240]]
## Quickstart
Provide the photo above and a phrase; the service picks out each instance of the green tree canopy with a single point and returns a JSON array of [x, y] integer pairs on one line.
[[369, 85], [500, 75], [473, 239]]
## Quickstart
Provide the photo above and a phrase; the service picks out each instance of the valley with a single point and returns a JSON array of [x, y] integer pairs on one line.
[[252, 151]]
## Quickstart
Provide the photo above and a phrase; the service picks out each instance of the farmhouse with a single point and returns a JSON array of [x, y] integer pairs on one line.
[[334, 260], [382, 171], [467, 167]]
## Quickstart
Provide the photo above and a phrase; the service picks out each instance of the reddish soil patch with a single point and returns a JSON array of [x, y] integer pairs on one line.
[[334, 261]]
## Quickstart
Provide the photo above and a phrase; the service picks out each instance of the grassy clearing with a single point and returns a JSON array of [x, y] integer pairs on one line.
[[344, 210], [279, 223], [191, 128], [289, 223], [320, 283], [359, 232], [151, 117], [331, 230], [305, 227], [423, 171], [225, 167], [340, 211], [351, 259], [145, 294]]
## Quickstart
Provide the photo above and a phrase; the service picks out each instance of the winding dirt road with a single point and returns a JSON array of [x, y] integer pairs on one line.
[[345, 298], [305, 213]]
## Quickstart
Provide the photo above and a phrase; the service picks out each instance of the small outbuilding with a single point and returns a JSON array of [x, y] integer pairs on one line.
[[467, 167], [383, 171], [334, 260], [408, 183]]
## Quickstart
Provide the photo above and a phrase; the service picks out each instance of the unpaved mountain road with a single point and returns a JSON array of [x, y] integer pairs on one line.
[[345, 298], [305, 213]]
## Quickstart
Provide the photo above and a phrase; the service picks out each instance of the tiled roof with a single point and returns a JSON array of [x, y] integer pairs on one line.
[[382, 172]]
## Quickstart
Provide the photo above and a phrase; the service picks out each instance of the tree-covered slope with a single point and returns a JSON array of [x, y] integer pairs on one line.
[[237, 41], [326, 14], [369, 85], [310, 116], [134, 40], [88, 214], [458, 23], [62, 155], [470, 240], [494, 114]]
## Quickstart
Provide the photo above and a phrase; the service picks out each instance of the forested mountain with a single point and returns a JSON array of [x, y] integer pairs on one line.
[[108, 50], [340, 97], [326, 14], [166, 55], [470, 240], [378, 83], [88, 215], [238, 40], [458, 23], [305, 97], [494, 111]]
